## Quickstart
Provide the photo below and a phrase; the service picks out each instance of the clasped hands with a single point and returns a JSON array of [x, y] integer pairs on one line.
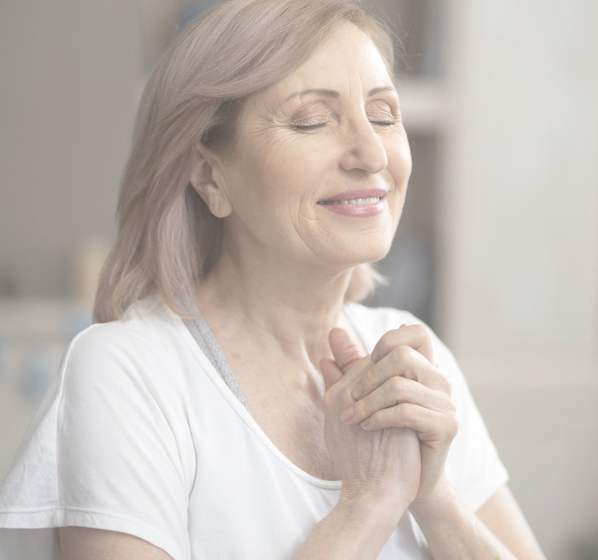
[[390, 419]]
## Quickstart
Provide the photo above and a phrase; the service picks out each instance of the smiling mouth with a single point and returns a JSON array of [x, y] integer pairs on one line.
[[355, 201]]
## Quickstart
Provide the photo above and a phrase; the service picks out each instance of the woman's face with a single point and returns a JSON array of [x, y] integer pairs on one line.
[[320, 167]]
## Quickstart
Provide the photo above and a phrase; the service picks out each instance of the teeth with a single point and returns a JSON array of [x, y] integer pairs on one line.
[[357, 201]]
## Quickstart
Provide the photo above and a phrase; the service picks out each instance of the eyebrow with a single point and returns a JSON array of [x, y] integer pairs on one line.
[[335, 94]]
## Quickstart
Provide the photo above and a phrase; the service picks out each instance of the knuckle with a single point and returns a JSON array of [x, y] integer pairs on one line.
[[397, 385], [362, 408], [450, 406], [330, 397], [452, 426], [371, 377], [404, 352], [401, 354], [386, 342], [420, 331], [445, 384], [394, 355]]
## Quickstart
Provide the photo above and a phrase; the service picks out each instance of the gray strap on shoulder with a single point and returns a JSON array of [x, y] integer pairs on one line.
[[204, 337]]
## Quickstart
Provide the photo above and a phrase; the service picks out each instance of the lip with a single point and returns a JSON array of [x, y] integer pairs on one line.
[[356, 210], [356, 193]]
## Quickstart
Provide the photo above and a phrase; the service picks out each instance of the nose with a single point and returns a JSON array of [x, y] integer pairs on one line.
[[365, 151]]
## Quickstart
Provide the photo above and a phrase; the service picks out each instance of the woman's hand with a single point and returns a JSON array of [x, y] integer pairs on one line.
[[378, 467], [403, 388]]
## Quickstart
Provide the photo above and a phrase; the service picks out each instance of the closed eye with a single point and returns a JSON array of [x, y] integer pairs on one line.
[[308, 126], [383, 123]]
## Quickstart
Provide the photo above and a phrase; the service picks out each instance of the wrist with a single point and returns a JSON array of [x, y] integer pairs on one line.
[[356, 529], [368, 520], [376, 507], [438, 500]]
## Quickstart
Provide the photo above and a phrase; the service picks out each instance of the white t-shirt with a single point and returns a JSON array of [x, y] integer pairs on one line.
[[140, 434]]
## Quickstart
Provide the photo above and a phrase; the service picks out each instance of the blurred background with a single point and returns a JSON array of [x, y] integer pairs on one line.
[[497, 248]]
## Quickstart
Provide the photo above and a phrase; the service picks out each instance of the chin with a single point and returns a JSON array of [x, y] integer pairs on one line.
[[363, 252]]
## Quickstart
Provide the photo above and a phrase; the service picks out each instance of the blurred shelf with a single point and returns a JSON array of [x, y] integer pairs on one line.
[[34, 319], [424, 105]]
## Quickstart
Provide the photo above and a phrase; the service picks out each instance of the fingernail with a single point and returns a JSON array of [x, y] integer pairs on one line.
[[357, 391], [365, 422], [348, 413]]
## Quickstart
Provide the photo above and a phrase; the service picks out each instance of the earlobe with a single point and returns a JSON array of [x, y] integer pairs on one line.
[[205, 184]]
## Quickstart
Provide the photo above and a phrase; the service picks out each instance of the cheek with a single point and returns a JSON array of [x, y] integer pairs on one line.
[[399, 158], [287, 177], [399, 165], [273, 189]]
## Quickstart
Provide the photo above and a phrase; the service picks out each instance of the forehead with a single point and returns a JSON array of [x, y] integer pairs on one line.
[[347, 62]]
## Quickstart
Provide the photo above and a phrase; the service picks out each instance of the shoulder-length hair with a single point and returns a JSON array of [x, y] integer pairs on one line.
[[168, 239]]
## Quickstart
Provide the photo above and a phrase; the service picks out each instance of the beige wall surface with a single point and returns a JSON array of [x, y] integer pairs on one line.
[[70, 73], [520, 258], [525, 176]]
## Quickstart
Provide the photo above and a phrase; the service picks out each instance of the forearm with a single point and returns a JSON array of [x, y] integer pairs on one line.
[[352, 531], [454, 532]]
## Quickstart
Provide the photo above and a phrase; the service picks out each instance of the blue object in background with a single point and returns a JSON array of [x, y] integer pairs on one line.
[[202, 7], [37, 374], [75, 322]]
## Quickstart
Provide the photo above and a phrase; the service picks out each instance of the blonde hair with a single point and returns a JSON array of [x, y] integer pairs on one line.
[[168, 239]]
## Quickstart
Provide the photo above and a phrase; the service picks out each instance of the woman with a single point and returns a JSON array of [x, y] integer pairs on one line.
[[269, 166]]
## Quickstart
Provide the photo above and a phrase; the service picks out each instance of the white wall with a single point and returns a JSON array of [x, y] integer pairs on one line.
[[520, 236]]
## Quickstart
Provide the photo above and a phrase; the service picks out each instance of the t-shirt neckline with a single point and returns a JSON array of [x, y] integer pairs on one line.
[[244, 412]]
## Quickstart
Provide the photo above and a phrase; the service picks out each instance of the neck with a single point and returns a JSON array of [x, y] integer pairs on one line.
[[282, 305]]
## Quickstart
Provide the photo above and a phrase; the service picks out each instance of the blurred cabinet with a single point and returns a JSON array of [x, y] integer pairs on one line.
[[498, 244], [419, 28], [34, 335]]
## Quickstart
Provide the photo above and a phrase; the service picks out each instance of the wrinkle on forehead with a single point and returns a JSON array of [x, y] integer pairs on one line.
[[362, 65]]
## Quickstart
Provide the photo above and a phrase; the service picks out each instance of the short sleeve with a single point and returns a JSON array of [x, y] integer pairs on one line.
[[104, 451], [473, 463]]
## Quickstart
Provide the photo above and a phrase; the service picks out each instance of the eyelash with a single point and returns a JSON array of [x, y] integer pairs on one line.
[[320, 125], [308, 126]]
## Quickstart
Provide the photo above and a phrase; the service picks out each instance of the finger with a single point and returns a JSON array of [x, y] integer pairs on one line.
[[432, 427], [401, 361], [344, 350], [397, 390], [330, 372], [414, 336]]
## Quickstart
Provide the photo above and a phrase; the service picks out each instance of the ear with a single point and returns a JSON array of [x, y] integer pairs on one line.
[[207, 182]]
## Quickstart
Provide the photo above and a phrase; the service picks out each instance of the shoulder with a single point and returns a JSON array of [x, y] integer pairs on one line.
[[144, 329], [142, 349]]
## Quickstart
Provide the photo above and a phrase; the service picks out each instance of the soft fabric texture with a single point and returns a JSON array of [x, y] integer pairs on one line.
[[208, 344], [138, 433]]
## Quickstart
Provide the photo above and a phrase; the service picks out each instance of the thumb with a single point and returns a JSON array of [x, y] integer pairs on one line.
[[344, 350], [330, 372]]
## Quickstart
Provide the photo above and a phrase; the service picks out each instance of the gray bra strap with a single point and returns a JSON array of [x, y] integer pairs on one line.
[[209, 346]]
